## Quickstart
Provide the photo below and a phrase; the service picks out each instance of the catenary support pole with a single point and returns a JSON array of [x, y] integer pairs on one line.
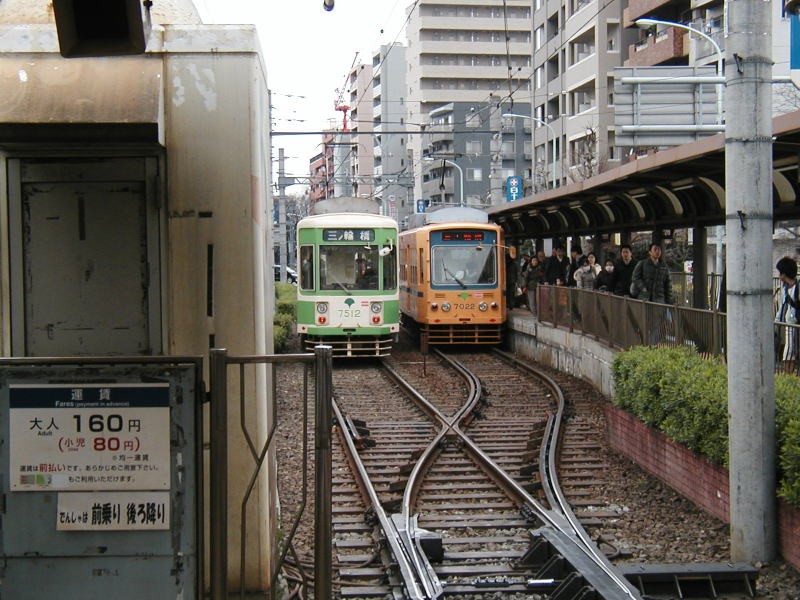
[[748, 221], [282, 250], [323, 549]]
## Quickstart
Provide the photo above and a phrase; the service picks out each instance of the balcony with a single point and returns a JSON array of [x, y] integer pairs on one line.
[[641, 8], [665, 47]]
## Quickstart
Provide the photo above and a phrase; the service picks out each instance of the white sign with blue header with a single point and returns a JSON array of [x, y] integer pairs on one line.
[[513, 188]]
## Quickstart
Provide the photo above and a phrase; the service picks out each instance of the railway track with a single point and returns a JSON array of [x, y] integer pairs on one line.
[[457, 494]]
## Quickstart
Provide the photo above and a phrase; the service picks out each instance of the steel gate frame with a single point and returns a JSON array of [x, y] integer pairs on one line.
[[321, 361]]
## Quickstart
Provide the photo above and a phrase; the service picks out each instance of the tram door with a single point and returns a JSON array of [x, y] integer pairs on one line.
[[83, 283]]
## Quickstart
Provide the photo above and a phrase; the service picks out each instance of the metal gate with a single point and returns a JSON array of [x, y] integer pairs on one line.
[[221, 364]]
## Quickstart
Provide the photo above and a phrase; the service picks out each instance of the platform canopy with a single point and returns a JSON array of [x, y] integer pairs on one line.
[[681, 187]]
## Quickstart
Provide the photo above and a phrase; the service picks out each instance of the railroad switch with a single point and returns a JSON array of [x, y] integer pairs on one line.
[[497, 581], [431, 544], [697, 580]]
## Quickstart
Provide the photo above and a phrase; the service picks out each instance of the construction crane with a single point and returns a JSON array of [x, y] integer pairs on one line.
[[339, 104]]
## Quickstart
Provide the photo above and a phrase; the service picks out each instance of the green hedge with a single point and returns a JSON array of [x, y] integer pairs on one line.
[[285, 314], [685, 396]]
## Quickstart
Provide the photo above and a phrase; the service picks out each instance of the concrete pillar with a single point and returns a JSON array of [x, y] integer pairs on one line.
[[748, 184]]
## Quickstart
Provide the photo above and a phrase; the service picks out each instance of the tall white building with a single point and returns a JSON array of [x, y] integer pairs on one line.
[[465, 51], [394, 177]]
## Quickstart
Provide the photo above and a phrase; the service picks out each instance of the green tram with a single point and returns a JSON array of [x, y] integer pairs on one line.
[[347, 295]]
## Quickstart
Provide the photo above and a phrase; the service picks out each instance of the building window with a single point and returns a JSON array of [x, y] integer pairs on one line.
[[473, 120], [508, 147], [539, 77], [474, 147], [474, 174], [539, 36]]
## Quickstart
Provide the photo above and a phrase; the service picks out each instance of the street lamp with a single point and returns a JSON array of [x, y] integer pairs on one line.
[[645, 23], [552, 132], [460, 173]]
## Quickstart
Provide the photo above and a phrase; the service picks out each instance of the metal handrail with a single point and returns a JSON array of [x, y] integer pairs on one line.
[[623, 322]]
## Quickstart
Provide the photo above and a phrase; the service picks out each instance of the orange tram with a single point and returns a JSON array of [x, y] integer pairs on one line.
[[452, 278]]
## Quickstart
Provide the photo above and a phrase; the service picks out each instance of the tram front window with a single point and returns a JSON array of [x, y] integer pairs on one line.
[[349, 268], [463, 265]]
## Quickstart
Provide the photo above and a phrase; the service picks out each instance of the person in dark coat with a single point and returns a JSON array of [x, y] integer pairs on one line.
[[623, 271], [577, 259], [605, 279], [512, 274], [651, 279], [534, 275], [556, 268]]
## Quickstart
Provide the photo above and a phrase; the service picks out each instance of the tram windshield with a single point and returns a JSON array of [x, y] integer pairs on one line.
[[352, 267], [462, 265]]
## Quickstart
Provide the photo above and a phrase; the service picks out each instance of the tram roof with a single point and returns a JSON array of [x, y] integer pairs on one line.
[[347, 220], [680, 187]]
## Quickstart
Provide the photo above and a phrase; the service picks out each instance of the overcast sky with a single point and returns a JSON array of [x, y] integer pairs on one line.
[[309, 52]]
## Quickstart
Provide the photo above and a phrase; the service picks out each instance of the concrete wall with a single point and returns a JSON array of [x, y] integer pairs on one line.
[[570, 353]]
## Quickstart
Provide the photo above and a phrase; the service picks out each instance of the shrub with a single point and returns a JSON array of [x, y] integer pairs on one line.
[[280, 335], [685, 396], [787, 414], [286, 299], [285, 314]]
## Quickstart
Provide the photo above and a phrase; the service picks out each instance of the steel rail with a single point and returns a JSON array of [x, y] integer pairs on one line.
[[407, 562], [559, 518], [548, 468]]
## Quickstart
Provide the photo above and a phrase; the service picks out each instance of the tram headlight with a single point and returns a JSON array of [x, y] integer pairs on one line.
[[494, 306], [434, 306], [375, 307], [322, 307], [446, 306], [483, 307]]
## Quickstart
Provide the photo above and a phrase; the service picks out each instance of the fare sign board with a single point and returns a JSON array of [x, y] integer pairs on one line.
[[69, 437]]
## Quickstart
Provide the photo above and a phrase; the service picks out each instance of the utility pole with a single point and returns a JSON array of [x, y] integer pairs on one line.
[[748, 224], [282, 213]]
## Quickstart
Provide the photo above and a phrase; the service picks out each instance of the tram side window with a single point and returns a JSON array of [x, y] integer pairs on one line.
[[390, 271], [307, 267]]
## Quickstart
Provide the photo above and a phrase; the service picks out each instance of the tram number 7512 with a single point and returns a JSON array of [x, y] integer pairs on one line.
[[351, 313]]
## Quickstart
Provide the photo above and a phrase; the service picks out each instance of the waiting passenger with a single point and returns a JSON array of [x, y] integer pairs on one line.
[[605, 279], [651, 279], [623, 271], [786, 341], [555, 269], [534, 275], [587, 273], [577, 260]]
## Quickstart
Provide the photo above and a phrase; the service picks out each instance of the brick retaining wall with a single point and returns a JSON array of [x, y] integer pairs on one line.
[[692, 476]]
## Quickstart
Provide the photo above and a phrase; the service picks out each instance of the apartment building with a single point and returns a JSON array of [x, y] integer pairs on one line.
[[321, 169], [358, 159], [394, 179], [576, 45], [463, 55], [662, 44]]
